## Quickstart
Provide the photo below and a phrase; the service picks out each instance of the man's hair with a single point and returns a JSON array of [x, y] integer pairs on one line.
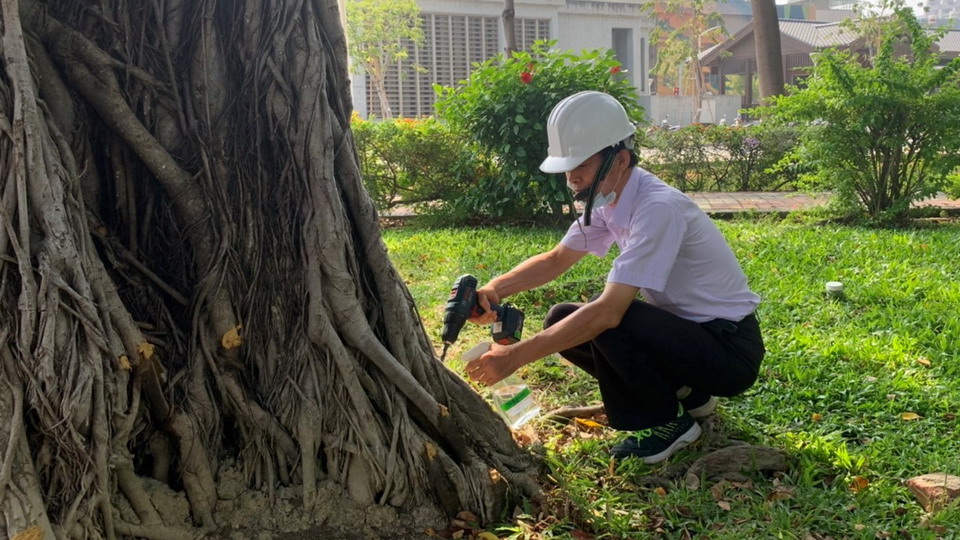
[[622, 145]]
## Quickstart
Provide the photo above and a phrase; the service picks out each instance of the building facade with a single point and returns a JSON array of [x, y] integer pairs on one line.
[[458, 33], [942, 12]]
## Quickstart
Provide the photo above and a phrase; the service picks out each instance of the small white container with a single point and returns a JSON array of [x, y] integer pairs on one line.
[[834, 289]]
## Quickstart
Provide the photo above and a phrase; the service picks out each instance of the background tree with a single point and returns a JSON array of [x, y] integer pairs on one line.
[[872, 19], [766, 38], [378, 32], [684, 27], [194, 287], [883, 134]]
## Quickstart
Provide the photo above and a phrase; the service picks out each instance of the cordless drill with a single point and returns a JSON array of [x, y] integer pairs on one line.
[[463, 304]]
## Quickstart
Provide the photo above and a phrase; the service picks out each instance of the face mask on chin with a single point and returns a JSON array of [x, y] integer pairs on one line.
[[600, 200]]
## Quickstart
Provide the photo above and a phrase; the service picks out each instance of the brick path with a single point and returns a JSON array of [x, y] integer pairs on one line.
[[748, 201]]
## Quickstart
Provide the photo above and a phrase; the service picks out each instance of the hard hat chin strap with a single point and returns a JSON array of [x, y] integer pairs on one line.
[[609, 154]]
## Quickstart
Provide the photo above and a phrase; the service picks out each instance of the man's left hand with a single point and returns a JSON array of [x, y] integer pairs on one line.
[[495, 364]]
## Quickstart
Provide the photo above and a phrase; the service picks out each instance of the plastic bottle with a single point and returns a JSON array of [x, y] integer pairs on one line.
[[514, 401], [512, 398]]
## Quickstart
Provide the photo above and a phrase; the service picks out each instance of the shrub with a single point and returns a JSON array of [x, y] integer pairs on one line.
[[722, 158], [952, 186], [889, 131], [418, 162], [679, 157], [504, 107]]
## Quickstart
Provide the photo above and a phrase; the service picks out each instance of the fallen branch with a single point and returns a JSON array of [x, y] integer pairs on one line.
[[575, 412]]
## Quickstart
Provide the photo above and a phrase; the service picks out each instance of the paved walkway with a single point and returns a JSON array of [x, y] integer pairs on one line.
[[729, 203], [749, 201]]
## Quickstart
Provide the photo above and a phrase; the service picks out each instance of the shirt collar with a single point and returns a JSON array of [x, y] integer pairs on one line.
[[620, 214]]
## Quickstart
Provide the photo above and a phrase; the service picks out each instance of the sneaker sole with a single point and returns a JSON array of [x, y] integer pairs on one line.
[[690, 436], [706, 409]]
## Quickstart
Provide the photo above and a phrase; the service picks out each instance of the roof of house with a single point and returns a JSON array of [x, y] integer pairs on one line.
[[950, 43], [819, 35]]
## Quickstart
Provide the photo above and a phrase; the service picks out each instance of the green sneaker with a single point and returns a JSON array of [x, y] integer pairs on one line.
[[658, 443]]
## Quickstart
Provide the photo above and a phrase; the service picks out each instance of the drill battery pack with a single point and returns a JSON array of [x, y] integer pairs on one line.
[[508, 327]]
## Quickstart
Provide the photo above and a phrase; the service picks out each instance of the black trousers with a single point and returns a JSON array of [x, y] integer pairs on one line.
[[641, 364]]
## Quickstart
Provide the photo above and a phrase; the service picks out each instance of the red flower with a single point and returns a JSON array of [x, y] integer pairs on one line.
[[526, 77], [615, 69]]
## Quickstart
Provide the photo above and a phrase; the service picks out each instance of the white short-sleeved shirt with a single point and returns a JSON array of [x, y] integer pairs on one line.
[[670, 249]]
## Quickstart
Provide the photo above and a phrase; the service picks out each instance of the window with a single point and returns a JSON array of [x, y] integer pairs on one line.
[[643, 85], [451, 44], [623, 49], [733, 85], [711, 79]]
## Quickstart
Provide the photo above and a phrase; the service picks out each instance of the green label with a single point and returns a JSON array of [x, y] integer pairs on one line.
[[515, 399]]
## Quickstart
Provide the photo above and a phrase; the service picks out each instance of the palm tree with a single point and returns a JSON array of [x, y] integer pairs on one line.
[[766, 35], [510, 34]]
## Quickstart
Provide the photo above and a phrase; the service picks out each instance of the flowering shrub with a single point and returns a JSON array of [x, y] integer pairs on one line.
[[504, 107]]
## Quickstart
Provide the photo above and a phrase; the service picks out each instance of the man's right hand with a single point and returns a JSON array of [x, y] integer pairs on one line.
[[486, 295]]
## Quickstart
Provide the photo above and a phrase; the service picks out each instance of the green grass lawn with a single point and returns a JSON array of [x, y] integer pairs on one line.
[[861, 392]]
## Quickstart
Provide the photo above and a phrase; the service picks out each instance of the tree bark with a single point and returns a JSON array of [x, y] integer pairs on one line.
[[194, 287], [509, 30], [766, 36]]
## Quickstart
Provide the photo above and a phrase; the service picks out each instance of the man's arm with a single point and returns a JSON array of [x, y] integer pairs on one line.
[[579, 327], [527, 275]]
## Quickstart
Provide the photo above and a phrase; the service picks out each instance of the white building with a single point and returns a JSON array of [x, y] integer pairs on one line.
[[459, 32], [942, 12]]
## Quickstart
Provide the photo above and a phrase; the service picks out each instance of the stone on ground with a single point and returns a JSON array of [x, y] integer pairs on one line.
[[934, 490]]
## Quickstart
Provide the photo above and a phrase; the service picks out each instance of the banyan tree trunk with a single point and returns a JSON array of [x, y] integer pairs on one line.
[[194, 286]]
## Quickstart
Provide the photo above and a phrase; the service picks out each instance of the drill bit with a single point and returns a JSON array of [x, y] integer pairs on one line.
[[444, 354]]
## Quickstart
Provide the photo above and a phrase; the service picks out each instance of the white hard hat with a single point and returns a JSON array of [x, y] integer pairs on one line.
[[580, 126]]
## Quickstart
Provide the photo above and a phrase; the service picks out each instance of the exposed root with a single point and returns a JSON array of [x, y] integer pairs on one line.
[[158, 532], [734, 462], [21, 503], [8, 370], [197, 477]]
